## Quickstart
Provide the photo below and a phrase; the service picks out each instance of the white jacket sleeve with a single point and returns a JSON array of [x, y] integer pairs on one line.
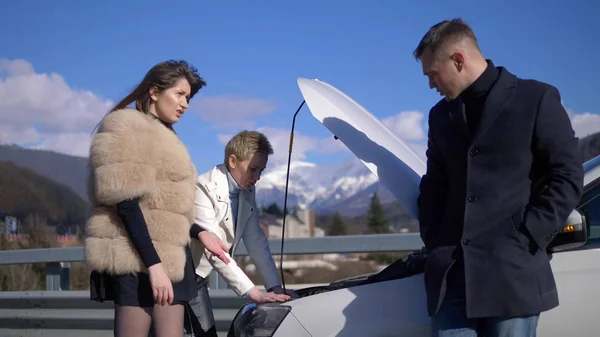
[[257, 245], [205, 218]]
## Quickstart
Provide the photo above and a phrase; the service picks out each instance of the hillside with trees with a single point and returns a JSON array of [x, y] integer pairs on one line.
[[337, 226], [25, 193], [394, 215], [44, 209], [67, 170]]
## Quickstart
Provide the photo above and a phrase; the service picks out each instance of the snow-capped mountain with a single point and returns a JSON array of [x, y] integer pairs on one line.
[[346, 186]]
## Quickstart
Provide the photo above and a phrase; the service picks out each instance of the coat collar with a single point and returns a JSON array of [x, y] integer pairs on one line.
[[219, 182], [498, 98]]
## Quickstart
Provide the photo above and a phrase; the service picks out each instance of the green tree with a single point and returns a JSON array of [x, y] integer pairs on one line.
[[337, 226], [3, 239], [3, 242], [376, 221], [274, 210]]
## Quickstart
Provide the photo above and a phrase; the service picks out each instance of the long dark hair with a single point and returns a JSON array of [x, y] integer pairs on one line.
[[162, 76]]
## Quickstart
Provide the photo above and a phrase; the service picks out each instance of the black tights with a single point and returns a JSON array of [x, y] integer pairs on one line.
[[167, 321]]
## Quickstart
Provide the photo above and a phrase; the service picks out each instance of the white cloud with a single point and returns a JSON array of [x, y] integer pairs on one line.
[[231, 111], [224, 138], [15, 67], [585, 123], [73, 143], [280, 140], [406, 125], [331, 145], [18, 134], [41, 110]]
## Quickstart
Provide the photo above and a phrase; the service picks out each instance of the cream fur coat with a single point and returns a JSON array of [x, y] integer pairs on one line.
[[134, 155]]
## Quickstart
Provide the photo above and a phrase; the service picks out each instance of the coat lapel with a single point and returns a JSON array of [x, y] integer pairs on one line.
[[244, 212], [498, 98], [223, 200]]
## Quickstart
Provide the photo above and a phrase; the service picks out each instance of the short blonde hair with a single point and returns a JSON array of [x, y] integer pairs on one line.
[[246, 143]]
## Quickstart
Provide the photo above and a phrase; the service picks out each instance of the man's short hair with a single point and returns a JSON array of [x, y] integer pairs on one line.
[[246, 143], [443, 34]]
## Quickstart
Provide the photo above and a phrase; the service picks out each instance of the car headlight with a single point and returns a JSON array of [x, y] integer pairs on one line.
[[258, 321]]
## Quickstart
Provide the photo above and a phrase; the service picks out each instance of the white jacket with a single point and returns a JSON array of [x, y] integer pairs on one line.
[[213, 213]]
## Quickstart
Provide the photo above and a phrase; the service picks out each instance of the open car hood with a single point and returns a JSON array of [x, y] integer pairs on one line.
[[396, 165]]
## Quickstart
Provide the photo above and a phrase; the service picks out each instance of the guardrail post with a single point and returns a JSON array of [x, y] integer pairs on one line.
[[53, 276], [57, 276], [65, 279]]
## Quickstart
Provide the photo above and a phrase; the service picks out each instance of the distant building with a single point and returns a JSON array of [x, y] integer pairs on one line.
[[300, 225], [13, 229], [11, 224]]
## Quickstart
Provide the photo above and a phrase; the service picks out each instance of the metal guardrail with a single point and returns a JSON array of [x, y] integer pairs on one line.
[[293, 246], [58, 260], [59, 312], [72, 313]]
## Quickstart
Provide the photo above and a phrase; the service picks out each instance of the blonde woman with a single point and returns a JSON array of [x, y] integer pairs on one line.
[[225, 201]]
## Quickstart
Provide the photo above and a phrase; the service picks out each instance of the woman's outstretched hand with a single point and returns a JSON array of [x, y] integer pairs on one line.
[[214, 245]]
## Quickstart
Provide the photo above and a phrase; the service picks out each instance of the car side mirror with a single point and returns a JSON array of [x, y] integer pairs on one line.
[[573, 234]]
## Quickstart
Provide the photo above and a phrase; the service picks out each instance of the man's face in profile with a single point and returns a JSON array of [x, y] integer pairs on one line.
[[247, 172], [443, 74]]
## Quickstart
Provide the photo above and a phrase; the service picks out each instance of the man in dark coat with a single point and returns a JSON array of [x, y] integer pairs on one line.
[[503, 174]]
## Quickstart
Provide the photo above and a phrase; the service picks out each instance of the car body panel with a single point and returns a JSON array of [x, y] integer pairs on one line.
[[398, 307], [291, 327], [391, 308], [577, 275]]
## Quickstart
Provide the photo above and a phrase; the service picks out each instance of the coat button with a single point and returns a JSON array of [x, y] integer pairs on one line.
[[466, 242], [472, 198], [473, 152]]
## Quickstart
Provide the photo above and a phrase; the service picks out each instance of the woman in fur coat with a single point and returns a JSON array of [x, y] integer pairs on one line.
[[141, 187]]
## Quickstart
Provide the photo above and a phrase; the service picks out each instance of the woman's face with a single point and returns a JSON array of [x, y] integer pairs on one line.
[[170, 104]]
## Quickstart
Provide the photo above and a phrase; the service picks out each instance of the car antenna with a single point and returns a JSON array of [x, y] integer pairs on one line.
[[287, 178]]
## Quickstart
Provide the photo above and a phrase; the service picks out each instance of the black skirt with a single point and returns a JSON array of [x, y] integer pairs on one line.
[[136, 290]]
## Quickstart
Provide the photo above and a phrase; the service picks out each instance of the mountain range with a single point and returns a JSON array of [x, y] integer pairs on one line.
[[345, 187]]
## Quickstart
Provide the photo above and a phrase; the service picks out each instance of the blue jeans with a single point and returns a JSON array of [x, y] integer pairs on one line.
[[452, 321]]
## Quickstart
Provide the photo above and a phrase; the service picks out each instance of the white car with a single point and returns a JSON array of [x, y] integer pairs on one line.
[[393, 301]]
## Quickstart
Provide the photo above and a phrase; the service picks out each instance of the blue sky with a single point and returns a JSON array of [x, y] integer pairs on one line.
[[62, 62]]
